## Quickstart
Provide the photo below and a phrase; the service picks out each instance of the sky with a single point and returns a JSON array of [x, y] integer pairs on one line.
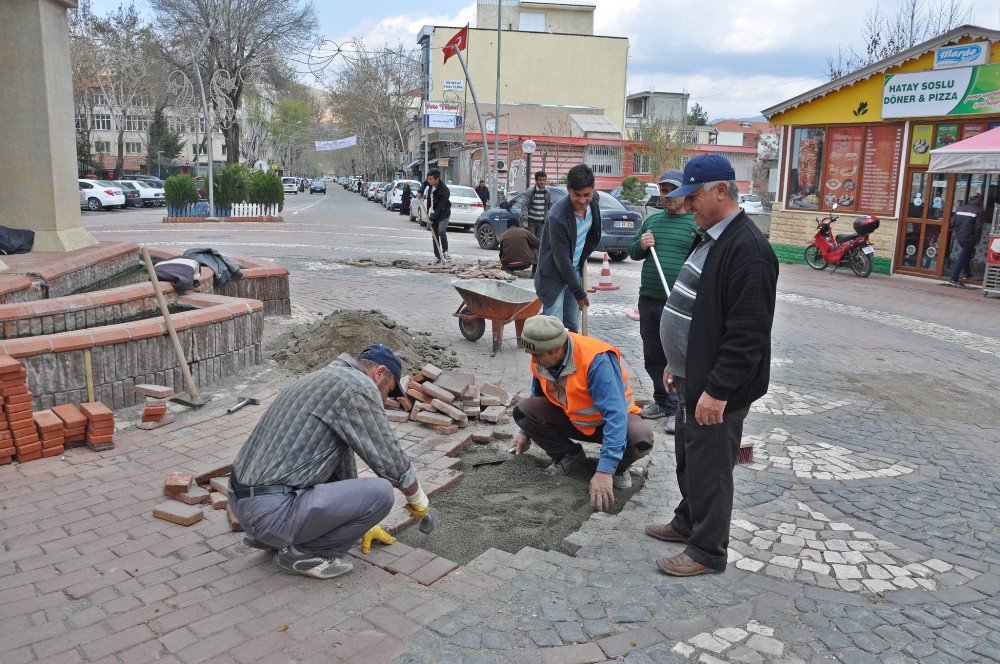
[[733, 57]]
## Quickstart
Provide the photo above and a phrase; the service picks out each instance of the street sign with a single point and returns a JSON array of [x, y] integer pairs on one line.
[[441, 108], [453, 85]]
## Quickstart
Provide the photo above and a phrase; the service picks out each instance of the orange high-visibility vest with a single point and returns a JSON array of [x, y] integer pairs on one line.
[[574, 398]]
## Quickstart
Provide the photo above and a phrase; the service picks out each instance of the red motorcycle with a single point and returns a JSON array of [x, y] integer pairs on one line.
[[850, 249]]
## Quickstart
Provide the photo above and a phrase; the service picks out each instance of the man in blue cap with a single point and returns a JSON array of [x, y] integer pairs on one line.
[[671, 233], [716, 334], [295, 487]]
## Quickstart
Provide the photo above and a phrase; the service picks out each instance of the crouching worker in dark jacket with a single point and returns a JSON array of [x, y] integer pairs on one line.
[[295, 487], [518, 248]]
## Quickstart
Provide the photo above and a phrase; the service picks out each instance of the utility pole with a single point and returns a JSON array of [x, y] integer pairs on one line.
[[208, 119], [496, 135]]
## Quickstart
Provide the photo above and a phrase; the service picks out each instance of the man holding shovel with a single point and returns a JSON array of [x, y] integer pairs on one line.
[[295, 487], [670, 233]]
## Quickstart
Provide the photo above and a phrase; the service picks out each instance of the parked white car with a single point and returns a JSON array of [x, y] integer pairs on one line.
[[751, 204], [290, 185], [150, 193], [466, 206], [99, 194], [395, 198]]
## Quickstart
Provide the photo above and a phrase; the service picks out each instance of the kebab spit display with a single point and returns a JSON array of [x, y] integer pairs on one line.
[[808, 163]]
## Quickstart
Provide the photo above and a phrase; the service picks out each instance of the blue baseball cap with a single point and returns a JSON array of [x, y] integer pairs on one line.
[[674, 176], [703, 168], [382, 354]]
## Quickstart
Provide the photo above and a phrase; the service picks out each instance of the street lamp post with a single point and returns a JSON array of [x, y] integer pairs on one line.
[[528, 148], [159, 164], [208, 119]]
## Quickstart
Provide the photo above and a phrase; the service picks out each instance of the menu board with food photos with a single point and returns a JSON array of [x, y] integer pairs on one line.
[[946, 135], [843, 164], [880, 169], [970, 129]]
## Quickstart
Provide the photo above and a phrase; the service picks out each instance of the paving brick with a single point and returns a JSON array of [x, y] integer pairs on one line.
[[453, 381], [433, 571], [430, 372], [179, 513], [411, 562], [584, 653], [155, 391], [435, 419], [434, 392], [95, 411], [216, 469], [176, 483], [493, 413], [195, 495], [117, 642], [620, 644], [219, 501]]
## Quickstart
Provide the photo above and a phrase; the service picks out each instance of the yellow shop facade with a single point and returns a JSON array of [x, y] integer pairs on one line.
[[863, 141]]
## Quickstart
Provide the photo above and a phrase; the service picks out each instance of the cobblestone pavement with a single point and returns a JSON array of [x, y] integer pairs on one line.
[[865, 530]]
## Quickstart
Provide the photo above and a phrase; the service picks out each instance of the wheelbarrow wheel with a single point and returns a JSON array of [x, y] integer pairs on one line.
[[472, 328]]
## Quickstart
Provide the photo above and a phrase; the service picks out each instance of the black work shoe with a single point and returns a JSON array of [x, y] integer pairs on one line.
[[291, 559]]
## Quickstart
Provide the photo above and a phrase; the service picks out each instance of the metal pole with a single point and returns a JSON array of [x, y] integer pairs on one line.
[[527, 172], [208, 118], [479, 116], [496, 128]]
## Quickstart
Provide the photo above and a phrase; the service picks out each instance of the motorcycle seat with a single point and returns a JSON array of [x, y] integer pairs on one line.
[[846, 237]]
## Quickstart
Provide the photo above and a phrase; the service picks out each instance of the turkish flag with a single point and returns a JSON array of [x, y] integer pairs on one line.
[[457, 43]]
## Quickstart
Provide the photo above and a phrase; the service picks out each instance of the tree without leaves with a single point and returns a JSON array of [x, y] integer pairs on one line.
[[248, 42], [665, 141], [884, 35]]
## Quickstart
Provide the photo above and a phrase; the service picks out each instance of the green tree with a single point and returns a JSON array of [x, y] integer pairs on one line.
[[290, 124], [633, 190], [161, 140], [264, 189], [697, 117], [230, 186]]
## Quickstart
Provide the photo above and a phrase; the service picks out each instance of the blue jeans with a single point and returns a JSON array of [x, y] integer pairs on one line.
[[964, 262], [566, 309]]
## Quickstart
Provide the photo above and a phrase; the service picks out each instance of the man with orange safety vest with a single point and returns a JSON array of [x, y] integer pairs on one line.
[[580, 391]]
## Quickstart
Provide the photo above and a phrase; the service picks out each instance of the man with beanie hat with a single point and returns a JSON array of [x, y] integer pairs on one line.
[[580, 391], [295, 487], [671, 233]]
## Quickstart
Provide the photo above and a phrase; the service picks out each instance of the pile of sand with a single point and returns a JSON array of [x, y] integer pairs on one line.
[[308, 347]]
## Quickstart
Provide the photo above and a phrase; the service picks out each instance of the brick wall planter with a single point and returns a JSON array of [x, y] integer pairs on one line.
[[38, 275], [202, 220], [222, 335]]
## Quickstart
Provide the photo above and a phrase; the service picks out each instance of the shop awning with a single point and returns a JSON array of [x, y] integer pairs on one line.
[[978, 154]]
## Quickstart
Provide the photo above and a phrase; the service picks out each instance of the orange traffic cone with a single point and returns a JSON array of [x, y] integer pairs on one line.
[[605, 282]]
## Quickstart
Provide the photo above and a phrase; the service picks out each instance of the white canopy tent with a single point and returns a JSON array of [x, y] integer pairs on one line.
[[979, 154]]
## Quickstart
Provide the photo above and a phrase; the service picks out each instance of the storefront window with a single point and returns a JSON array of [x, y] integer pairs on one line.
[[916, 202], [910, 242], [842, 167], [807, 160], [929, 254], [939, 189]]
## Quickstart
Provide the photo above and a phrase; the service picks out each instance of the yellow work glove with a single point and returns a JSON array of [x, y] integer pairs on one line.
[[377, 534], [417, 504]]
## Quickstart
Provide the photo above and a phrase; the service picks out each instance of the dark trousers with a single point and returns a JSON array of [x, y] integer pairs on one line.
[[547, 424], [440, 228], [964, 262], [706, 456], [534, 227], [650, 310]]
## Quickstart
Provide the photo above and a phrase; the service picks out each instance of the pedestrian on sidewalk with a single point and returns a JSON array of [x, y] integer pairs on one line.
[[671, 233], [535, 204], [518, 248], [716, 333], [295, 487], [580, 391], [438, 213], [572, 229], [484, 194], [967, 226]]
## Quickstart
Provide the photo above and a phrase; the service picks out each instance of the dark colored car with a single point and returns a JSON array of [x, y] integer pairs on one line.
[[318, 185], [132, 196], [619, 224]]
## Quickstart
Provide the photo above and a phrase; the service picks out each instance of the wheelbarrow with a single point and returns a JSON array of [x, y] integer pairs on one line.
[[496, 301]]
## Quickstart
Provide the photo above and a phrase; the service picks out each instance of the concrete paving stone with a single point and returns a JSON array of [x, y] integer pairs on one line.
[[585, 653], [833, 639], [955, 651], [570, 632], [620, 644]]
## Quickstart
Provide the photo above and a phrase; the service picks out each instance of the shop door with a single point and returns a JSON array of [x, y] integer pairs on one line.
[[925, 225]]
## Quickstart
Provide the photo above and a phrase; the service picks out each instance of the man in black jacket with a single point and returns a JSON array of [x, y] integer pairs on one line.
[[716, 334], [967, 227], [572, 229], [438, 213]]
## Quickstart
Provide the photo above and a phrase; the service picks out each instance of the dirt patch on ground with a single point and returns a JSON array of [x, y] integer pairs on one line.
[[308, 347], [941, 396], [510, 505]]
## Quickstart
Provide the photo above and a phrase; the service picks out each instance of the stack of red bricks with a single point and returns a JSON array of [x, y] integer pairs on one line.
[[51, 433], [17, 413], [190, 491], [100, 425], [74, 423], [155, 414], [448, 400]]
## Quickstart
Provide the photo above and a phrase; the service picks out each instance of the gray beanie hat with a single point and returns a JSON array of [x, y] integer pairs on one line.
[[543, 333]]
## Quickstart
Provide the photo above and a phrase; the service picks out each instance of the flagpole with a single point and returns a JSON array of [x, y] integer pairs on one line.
[[496, 126], [475, 103]]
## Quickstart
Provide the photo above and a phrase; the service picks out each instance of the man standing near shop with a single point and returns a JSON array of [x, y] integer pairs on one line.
[[536, 204], [716, 334], [484, 194], [438, 213], [572, 230], [295, 487], [967, 225], [670, 233]]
